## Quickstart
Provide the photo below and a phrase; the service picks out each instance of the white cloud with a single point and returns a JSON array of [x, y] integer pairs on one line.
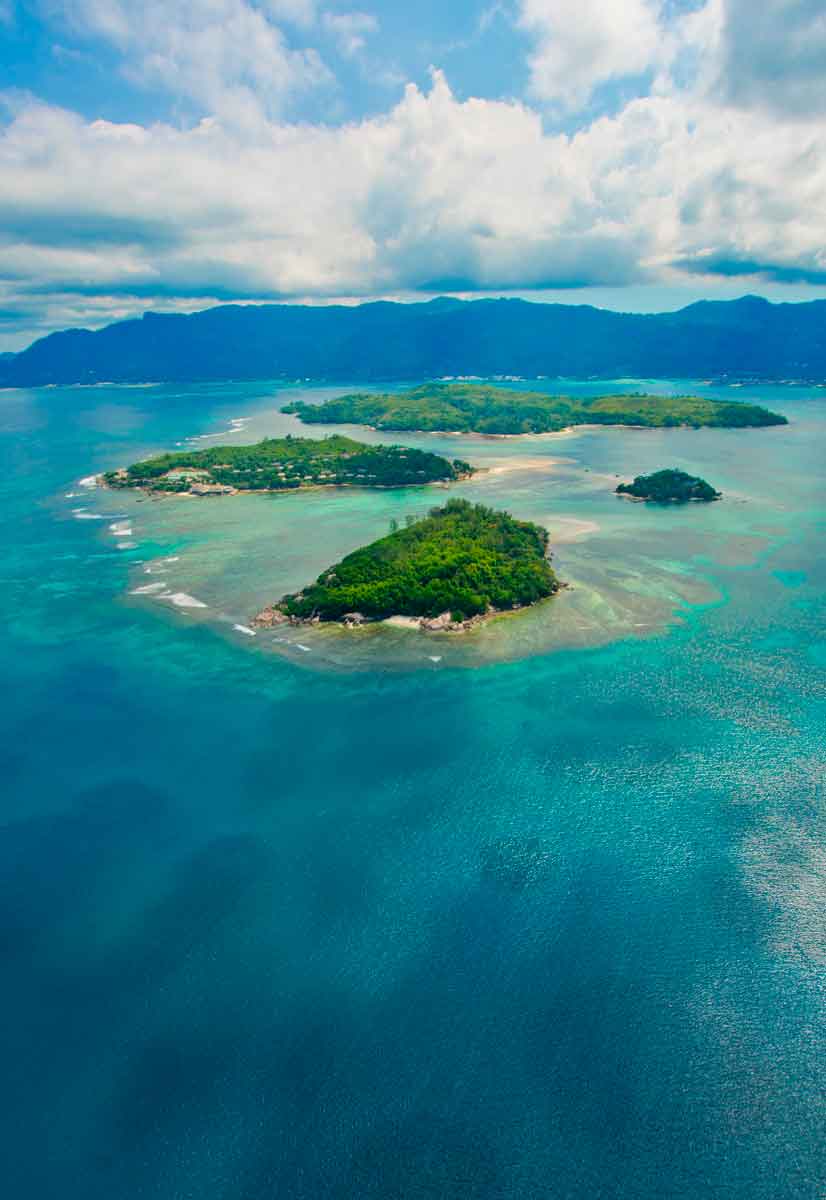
[[766, 55], [350, 30], [472, 193], [225, 55], [774, 54], [581, 44], [436, 192]]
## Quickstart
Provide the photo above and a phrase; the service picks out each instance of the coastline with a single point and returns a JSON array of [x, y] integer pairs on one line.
[[271, 617], [160, 493], [568, 431], [668, 500]]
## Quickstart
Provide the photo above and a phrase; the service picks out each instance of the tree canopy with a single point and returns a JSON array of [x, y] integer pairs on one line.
[[670, 485], [480, 408], [464, 559], [275, 464]]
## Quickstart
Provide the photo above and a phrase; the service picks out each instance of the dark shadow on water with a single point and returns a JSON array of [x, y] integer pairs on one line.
[[50, 863]]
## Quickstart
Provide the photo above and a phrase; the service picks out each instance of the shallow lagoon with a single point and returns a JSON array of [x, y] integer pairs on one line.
[[633, 569], [551, 925]]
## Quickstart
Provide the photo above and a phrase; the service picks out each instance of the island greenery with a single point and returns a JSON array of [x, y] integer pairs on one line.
[[480, 408], [276, 464], [669, 486], [461, 562]]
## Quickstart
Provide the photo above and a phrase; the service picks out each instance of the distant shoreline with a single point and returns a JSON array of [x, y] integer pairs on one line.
[[378, 381]]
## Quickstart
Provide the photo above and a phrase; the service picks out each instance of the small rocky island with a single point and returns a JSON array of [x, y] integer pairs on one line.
[[670, 486], [457, 566], [480, 408], [282, 464]]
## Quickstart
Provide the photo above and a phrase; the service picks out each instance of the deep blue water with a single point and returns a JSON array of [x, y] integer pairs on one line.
[[550, 928]]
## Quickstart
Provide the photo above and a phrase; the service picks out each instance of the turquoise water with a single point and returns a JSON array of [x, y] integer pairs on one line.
[[543, 918]]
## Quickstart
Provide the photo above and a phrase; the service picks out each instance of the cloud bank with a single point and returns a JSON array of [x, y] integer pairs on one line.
[[708, 173]]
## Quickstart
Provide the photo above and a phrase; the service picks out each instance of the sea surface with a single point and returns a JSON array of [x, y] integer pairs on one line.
[[539, 912]]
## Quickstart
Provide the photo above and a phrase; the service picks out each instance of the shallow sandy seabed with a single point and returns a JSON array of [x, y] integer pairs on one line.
[[634, 569], [578, 617]]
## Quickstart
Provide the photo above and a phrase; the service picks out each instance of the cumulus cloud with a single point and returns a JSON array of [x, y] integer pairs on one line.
[[766, 55], [773, 55], [439, 193], [436, 190], [436, 194], [580, 44], [225, 55]]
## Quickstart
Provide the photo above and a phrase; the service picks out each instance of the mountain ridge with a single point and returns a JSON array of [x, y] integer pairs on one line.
[[748, 338]]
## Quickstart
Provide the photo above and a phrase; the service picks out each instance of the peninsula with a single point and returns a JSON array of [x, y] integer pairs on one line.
[[481, 408], [670, 486], [458, 565], [283, 464]]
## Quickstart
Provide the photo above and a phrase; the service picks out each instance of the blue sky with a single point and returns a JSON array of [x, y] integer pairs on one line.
[[485, 54], [637, 155]]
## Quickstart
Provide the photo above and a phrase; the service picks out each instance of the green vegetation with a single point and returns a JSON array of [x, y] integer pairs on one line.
[[669, 486], [463, 559], [282, 463], [472, 407]]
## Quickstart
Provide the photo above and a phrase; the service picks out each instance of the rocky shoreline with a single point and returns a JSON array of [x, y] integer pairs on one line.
[[272, 617]]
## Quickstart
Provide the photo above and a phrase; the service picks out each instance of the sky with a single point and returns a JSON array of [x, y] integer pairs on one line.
[[634, 154]]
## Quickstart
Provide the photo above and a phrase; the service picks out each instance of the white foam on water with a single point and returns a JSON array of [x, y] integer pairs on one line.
[[70, 495], [306, 649], [89, 481], [435, 657], [121, 529], [184, 600], [146, 589], [80, 514], [160, 566], [245, 629], [126, 545]]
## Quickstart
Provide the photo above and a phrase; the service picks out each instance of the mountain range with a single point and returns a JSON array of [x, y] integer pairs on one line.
[[745, 339]]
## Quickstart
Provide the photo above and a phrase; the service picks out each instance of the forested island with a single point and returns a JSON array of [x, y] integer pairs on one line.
[[670, 486], [481, 408], [447, 571], [280, 464]]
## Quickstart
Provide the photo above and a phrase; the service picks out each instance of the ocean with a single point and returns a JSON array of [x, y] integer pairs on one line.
[[536, 912]]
